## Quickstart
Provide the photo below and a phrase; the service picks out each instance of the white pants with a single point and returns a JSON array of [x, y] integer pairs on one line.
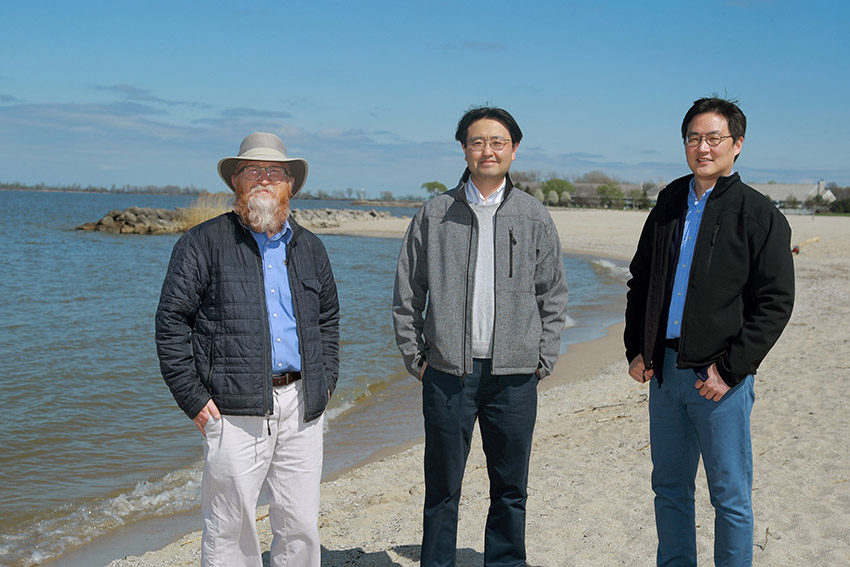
[[240, 455]]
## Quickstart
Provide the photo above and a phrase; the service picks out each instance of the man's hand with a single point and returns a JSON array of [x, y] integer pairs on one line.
[[210, 411], [713, 387], [421, 374], [638, 370]]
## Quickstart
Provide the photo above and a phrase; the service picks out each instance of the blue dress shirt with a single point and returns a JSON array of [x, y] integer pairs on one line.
[[693, 218], [285, 353]]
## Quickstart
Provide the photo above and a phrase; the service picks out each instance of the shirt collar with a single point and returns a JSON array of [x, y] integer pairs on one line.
[[692, 195], [474, 196], [285, 233]]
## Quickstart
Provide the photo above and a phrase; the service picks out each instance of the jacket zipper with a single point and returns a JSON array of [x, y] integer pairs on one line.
[[462, 198], [292, 272], [496, 268], [691, 276], [466, 295], [267, 389]]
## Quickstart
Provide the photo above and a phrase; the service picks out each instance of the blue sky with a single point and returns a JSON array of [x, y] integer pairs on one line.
[[103, 93]]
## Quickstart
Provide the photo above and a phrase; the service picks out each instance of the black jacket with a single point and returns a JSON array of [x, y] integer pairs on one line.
[[212, 326], [741, 287]]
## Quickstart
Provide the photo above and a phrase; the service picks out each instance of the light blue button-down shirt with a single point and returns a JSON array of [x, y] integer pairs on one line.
[[693, 218], [285, 354]]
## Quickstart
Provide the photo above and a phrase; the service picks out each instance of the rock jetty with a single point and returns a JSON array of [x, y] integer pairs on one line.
[[330, 218], [138, 220], [145, 220]]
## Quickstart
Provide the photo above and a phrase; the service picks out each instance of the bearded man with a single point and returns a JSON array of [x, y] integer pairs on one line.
[[247, 333]]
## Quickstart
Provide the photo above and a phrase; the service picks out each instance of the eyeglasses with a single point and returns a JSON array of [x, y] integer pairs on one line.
[[275, 174], [713, 140], [496, 144]]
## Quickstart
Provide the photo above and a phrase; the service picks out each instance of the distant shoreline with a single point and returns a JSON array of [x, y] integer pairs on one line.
[[379, 203], [99, 191]]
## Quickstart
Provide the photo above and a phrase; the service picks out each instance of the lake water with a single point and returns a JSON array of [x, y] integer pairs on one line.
[[92, 442]]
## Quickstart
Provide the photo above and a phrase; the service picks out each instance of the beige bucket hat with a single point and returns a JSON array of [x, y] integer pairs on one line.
[[262, 146]]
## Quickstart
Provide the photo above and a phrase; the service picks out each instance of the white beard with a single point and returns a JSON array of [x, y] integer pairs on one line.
[[263, 213]]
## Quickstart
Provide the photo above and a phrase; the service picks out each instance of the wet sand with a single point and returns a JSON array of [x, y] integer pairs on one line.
[[590, 499]]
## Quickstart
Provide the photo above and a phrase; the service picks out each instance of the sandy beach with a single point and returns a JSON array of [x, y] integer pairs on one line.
[[590, 498]]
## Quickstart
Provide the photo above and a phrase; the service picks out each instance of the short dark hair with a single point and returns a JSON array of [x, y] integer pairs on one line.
[[728, 109], [493, 113]]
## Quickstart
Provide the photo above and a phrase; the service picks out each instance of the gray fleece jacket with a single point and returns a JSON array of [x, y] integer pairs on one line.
[[432, 303]]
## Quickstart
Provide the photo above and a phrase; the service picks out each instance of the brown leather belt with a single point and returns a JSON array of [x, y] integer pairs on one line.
[[285, 379], [672, 343]]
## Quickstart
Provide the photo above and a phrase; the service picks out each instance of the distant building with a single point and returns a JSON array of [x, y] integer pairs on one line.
[[781, 193]]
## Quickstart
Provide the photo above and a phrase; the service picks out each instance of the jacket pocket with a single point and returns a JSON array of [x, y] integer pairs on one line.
[[511, 245], [311, 289], [713, 241], [307, 307], [516, 254], [204, 348], [211, 361], [311, 284]]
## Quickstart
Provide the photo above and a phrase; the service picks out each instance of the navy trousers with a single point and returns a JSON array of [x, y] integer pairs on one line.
[[506, 408]]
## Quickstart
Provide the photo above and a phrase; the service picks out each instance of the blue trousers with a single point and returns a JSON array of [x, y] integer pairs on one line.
[[683, 426], [506, 408]]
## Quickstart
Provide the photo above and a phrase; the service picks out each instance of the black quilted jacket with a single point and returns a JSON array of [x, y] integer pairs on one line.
[[212, 330]]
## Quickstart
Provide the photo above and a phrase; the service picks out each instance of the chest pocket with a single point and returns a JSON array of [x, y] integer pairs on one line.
[[306, 299], [516, 257], [725, 259]]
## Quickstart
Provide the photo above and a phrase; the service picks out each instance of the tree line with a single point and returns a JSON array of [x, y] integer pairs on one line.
[[597, 189], [349, 194], [594, 189], [77, 188]]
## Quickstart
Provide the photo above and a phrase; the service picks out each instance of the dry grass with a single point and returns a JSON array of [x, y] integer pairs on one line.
[[205, 207]]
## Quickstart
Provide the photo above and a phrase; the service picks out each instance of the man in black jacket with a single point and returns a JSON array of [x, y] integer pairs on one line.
[[247, 334], [712, 288]]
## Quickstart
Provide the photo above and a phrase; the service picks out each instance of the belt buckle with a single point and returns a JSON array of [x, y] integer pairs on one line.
[[284, 379]]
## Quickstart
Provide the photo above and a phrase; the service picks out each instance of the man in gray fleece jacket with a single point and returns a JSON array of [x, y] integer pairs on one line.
[[479, 304]]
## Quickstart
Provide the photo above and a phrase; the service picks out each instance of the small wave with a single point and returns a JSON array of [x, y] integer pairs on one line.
[[333, 413], [69, 527], [569, 322], [607, 266], [353, 397]]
